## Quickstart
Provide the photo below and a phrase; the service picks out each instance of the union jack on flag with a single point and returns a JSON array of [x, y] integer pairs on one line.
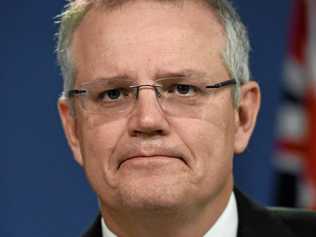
[[296, 136]]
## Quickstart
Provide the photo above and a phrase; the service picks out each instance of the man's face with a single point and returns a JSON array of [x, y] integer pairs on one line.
[[150, 158]]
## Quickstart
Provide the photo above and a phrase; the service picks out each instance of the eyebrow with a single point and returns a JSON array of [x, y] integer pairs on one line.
[[107, 78], [186, 73]]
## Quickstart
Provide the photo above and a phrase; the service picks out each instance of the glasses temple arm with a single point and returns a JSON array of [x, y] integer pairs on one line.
[[75, 92], [221, 84]]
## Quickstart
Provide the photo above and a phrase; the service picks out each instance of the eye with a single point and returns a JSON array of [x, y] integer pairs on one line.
[[183, 89], [112, 95]]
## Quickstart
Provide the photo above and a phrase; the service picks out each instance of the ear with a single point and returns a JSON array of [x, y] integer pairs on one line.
[[246, 115], [70, 128]]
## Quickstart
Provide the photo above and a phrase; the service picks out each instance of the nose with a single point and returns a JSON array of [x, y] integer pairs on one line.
[[147, 118]]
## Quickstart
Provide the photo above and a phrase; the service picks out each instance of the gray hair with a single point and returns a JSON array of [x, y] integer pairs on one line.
[[235, 55]]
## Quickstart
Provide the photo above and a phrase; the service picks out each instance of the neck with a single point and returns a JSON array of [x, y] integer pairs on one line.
[[192, 220]]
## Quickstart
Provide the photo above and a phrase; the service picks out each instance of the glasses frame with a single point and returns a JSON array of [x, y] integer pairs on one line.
[[81, 92]]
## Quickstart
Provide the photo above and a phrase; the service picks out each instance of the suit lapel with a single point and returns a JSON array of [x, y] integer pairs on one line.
[[257, 221], [95, 230]]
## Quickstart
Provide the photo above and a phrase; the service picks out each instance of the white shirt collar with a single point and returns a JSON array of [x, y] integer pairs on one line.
[[105, 230], [225, 226]]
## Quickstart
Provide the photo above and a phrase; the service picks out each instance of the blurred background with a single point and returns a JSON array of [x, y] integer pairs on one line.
[[44, 192]]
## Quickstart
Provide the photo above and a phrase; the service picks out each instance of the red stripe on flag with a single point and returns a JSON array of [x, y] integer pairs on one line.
[[310, 158], [298, 32], [294, 147]]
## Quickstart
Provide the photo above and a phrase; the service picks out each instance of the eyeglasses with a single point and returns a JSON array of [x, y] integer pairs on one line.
[[117, 97]]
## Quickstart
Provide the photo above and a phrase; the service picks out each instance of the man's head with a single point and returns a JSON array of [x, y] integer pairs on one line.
[[170, 152]]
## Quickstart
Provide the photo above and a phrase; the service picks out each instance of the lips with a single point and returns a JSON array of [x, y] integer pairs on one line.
[[158, 154]]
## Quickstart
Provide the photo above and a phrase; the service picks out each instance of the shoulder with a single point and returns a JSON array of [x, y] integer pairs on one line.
[[255, 220], [301, 222]]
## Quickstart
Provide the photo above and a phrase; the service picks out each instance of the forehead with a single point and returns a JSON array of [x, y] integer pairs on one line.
[[146, 36]]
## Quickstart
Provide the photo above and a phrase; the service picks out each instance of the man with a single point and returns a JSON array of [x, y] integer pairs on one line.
[[157, 100]]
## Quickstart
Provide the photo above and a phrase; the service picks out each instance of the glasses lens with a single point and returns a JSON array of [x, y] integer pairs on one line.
[[108, 96], [182, 96]]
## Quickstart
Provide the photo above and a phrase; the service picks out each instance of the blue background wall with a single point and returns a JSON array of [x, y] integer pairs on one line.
[[43, 192]]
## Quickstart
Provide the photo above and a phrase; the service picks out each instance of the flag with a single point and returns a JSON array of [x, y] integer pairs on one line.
[[296, 136]]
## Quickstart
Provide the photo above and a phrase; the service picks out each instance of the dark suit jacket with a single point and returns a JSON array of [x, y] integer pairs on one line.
[[256, 221]]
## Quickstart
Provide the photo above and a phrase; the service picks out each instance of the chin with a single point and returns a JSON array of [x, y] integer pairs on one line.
[[154, 193]]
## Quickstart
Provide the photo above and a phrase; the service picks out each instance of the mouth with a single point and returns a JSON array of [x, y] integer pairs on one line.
[[146, 159]]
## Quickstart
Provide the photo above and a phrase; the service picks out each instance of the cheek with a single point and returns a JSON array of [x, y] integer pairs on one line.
[[98, 142], [211, 149], [210, 140], [99, 133]]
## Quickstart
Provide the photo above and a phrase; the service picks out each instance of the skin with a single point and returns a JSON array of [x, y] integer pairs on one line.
[[150, 168]]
